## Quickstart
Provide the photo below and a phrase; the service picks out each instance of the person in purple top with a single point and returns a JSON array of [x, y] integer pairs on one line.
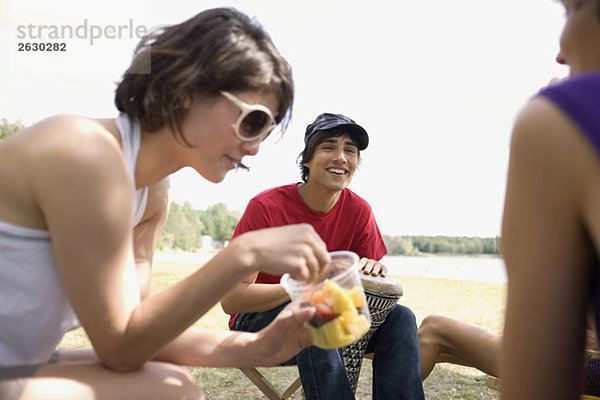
[[551, 225]]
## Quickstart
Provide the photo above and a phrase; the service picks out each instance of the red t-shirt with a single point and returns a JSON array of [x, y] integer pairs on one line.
[[350, 225]]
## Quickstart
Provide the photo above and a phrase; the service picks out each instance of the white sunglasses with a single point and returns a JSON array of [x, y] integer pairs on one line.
[[256, 121]]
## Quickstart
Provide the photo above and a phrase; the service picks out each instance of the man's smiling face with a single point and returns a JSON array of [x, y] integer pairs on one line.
[[334, 163]]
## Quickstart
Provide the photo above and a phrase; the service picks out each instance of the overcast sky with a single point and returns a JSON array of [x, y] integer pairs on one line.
[[437, 84]]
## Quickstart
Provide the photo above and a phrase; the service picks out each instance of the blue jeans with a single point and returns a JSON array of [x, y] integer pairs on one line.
[[396, 363]]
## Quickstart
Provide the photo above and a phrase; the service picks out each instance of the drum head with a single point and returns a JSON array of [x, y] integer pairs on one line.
[[387, 285]]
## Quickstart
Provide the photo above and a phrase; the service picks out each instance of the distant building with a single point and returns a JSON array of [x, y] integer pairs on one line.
[[207, 244]]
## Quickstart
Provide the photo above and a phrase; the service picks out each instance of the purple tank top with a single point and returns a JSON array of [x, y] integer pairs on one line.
[[579, 98]]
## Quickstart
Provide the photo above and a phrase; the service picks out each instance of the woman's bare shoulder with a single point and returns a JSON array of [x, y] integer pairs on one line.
[[541, 126], [71, 131], [81, 148], [80, 141], [546, 140], [73, 153]]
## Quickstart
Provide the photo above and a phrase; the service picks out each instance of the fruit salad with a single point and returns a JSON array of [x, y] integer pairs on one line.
[[338, 321]]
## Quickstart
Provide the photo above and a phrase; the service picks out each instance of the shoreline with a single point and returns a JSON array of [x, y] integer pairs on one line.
[[455, 267]]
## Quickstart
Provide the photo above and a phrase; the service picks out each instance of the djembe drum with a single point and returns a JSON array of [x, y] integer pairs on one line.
[[382, 294]]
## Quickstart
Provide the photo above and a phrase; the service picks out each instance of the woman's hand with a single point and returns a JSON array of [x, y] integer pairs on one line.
[[279, 342], [295, 249], [285, 337]]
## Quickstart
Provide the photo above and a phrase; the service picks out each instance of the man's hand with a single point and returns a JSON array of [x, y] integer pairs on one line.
[[372, 267]]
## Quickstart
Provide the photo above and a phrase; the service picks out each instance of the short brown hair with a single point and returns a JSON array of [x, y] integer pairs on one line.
[[218, 49]]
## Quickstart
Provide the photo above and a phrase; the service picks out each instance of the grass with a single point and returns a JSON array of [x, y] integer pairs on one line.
[[477, 303]]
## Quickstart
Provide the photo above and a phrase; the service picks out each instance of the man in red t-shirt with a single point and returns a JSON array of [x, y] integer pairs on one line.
[[344, 220]]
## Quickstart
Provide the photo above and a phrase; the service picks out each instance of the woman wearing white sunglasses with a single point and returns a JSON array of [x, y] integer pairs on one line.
[[83, 202]]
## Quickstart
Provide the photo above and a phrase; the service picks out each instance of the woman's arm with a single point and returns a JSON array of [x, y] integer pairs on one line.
[[82, 186], [548, 255], [277, 343], [147, 233]]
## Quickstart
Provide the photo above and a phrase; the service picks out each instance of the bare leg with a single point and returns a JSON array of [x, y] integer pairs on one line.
[[78, 375], [443, 339]]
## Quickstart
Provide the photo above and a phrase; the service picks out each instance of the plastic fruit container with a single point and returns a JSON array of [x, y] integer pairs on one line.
[[341, 312]]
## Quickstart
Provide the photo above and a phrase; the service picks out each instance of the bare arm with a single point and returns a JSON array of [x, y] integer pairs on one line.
[[91, 229], [147, 233], [276, 343], [249, 296], [548, 255]]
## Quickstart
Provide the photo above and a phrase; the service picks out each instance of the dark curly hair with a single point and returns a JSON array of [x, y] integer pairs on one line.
[[218, 49]]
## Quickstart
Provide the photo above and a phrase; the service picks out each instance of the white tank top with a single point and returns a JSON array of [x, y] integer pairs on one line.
[[34, 310]]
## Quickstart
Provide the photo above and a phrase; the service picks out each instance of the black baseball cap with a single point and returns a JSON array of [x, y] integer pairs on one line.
[[328, 121]]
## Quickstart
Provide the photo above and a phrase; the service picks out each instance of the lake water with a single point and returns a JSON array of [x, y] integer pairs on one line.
[[479, 269]]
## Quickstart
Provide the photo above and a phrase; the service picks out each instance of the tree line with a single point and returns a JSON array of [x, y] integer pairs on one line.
[[186, 226], [415, 245]]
